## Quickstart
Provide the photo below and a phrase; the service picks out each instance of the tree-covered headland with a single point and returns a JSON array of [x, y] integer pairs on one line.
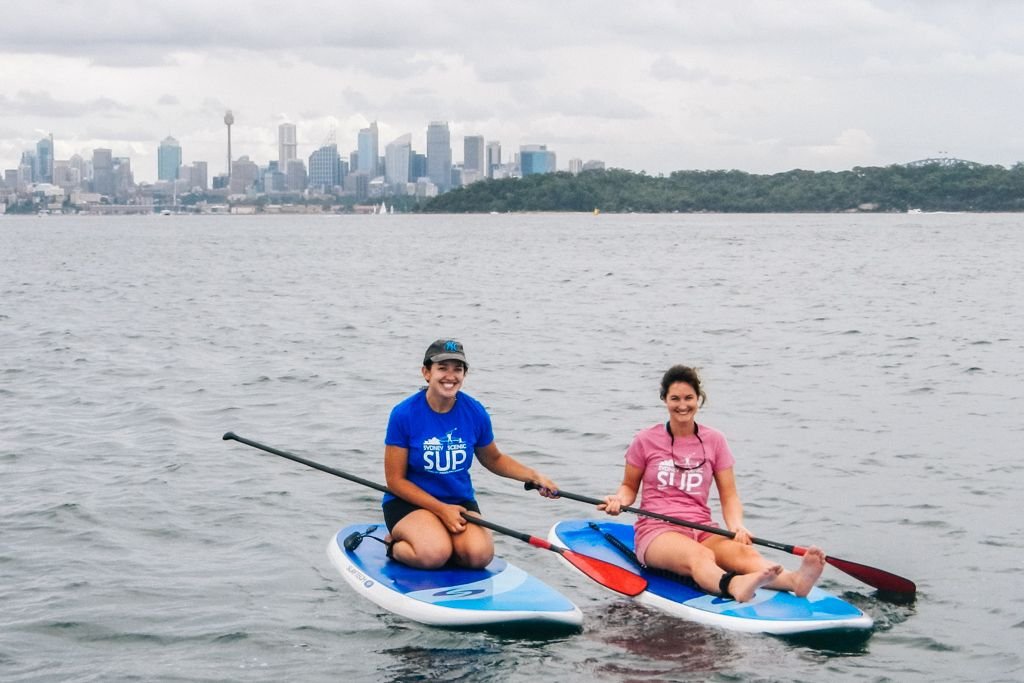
[[930, 185]]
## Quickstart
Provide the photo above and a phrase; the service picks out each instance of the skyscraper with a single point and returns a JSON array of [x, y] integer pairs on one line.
[[199, 175], [397, 162], [287, 145], [29, 167], [534, 159], [325, 168], [103, 172], [44, 160], [244, 175], [168, 159], [439, 155], [295, 176], [417, 166], [473, 158], [369, 149], [493, 157]]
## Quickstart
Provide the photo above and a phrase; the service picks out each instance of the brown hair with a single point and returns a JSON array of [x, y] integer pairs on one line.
[[682, 373]]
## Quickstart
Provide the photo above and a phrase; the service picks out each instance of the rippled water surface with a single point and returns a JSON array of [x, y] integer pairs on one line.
[[867, 371]]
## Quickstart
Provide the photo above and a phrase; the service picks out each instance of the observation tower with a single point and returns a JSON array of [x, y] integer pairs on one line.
[[229, 118]]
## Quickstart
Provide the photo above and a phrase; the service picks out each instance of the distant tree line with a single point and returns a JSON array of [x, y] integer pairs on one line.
[[930, 187]]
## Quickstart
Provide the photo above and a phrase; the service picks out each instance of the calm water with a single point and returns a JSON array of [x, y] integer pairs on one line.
[[867, 371]]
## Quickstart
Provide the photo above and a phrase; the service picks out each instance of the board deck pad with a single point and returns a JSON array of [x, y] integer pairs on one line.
[[498, 595], [775, 612]]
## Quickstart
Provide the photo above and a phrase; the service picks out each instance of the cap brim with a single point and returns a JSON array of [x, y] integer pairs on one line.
[[448, 356]]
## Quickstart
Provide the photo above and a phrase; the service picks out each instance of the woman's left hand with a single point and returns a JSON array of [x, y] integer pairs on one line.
[[742, 535], [545, 486]]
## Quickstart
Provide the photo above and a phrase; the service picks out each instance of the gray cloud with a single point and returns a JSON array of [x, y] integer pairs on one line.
[[595, 103], [43, 104], [665, 68], [820, 84]]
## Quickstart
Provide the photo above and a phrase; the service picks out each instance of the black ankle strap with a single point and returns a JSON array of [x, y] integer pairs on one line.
[[723, 585]]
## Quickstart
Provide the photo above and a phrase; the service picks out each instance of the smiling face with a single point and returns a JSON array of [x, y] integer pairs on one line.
[[682, 402], [444, 379]]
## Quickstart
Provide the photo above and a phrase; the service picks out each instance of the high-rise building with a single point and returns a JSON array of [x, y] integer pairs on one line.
[[79, 164], [287, 145], [184, 182], [493, 157], [575, 166], [60, 172], [44, 160], [244, 174], [417, 166], [29, 167], [295, 177], [325, 168], [357, 184], [439, 155], [199, 175], [168, 159], [124, 180], [397, 164], [473, 157], [534, 159], [103, 172], [369, 150]]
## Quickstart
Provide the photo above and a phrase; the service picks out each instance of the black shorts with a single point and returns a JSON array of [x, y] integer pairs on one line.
[[397, 508]]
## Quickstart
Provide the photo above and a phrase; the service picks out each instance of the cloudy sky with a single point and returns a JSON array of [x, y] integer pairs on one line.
[[653, 85]]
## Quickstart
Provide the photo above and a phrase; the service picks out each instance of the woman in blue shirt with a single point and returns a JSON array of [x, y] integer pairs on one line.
[[432, 439]]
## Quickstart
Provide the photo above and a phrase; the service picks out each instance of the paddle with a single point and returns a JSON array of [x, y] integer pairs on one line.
[[892, 586], [605, 573]]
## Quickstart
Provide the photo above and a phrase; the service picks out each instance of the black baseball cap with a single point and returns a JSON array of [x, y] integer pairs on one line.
[[445, 349]]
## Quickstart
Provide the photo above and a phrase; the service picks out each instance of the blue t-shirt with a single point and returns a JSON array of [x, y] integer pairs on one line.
[[441, 445]]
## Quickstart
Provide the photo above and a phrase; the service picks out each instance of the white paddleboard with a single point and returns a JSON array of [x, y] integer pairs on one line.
[[499, 595]]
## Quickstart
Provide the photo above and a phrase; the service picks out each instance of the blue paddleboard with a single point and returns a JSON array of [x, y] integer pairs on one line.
[[498, 595], [774, 612]]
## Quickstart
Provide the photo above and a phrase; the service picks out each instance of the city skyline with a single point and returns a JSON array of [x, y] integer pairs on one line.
[[762, 87]]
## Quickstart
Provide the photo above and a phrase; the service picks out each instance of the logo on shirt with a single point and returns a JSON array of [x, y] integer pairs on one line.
[[684, 480], [445, 457]]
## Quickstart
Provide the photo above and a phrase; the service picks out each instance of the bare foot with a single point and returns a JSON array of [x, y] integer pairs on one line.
[[810, 569], [743, 586]]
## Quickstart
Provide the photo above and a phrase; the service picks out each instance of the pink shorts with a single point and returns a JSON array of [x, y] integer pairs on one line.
[[650, 529]]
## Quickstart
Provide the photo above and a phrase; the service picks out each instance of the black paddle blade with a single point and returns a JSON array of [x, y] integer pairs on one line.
[[893, 587], [607, 574]]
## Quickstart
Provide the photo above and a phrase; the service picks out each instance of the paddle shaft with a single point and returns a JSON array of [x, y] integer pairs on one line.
[[796, 550], [896, 587], [611, 576]]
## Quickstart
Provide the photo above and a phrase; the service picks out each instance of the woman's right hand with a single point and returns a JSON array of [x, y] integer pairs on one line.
[[612, 505], [451, 517]]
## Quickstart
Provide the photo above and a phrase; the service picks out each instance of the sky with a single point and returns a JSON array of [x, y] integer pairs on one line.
[[656, 86]]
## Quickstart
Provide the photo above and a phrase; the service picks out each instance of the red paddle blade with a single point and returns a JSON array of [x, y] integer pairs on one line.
[[607, 574], [887, 582]]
